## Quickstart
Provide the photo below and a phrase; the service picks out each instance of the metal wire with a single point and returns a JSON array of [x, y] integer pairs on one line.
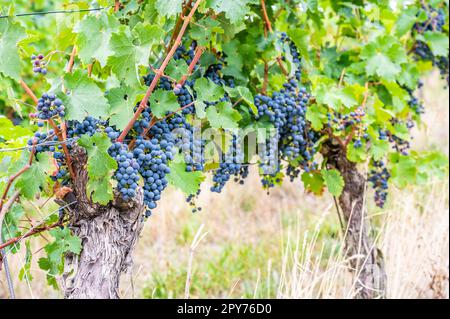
[[49, 143], [26, 14], [12, 294]]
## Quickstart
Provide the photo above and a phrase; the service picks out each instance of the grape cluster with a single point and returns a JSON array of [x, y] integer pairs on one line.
[[435, 23], [39, 65], [49, 106], [88, 126], [295, 55], [379, 177], [188, 55], [414, 103], [230, 165], [44, 142], [354, 120], [152, 157], [127, 174], [286, 110]]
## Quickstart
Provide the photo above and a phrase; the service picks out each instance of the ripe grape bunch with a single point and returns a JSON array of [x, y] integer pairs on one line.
[[49, 106], [379, 177], [435, 22], [39, 65], [286, 110]]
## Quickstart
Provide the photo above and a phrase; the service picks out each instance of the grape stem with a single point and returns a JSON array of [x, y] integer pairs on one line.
[[178, 25], [28, 91], [267, 22], [160, 72], [31, 232], [71, 60], [198, 53], [117, 5]]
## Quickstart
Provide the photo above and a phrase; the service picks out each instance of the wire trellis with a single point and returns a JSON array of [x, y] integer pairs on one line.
[[40, 13]]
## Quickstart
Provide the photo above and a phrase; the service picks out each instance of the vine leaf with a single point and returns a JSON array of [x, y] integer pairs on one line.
[[11, 33], [122, 101], [235, 10], [53, 263], [379, 149], [100, 167], [94, 33], [35, 178], [313, 182], [169, 8], [85, 97], [177, 68], [406, 21], [223, 116], [438, 42], [315, 115], [188, 182], [207, 91], [132, 49], [204, 33], [163, 102], [383, 57], [334, 181]]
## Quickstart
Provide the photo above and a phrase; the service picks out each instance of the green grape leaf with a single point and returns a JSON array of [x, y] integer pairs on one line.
[[334, 181], [406, 21], [379, 149], [438, 42], [122, 101], [35, 178], [204, 30], [188, 182], [25, 271], [223, 116], [100, 167], [404, 172], [235, 10], [314, 114], [94, 33], [207, 91], [356, 154], [11, 33], [132, 49], [162, 101], [53, 263], [313, 182], [177, 69], [169, 8], [248, 98], [85, 97]]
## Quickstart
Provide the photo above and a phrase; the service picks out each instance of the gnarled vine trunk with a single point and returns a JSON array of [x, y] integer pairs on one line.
[[109, 235], [364, 257]]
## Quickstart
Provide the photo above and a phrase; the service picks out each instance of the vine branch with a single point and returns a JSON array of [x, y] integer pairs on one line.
[[160, 72], [12, 178], [198, 53], [28, 91]]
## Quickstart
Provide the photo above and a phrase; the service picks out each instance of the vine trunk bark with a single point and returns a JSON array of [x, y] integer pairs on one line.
[[109, 235], [365, 259]]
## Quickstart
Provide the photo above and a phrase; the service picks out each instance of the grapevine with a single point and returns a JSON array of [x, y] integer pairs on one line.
[[146, 96]]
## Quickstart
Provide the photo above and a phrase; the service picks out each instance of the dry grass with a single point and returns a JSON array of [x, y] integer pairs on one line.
[[286, 245]]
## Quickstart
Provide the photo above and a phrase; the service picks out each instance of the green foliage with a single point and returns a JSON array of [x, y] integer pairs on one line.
[[64, 242], [188, 182], [100, 167]]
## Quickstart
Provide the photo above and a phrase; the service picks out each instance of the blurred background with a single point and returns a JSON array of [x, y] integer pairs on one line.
[[288, 244]]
